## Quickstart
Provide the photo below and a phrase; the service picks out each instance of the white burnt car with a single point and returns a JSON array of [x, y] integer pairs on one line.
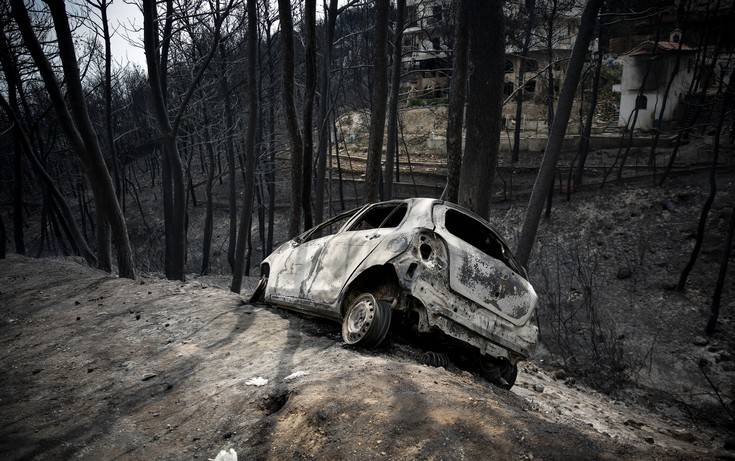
[[432, 262]]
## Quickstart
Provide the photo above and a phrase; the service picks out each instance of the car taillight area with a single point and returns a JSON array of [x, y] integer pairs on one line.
[[431, 250]]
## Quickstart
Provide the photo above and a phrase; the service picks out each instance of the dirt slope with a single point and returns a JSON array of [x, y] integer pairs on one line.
[[97, 367]]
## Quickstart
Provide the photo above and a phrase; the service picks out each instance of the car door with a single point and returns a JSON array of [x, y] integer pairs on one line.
[[296, 263], [481, 266], [347, 249]]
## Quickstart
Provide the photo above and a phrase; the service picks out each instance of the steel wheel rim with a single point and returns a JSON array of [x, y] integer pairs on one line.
[[359, 319]]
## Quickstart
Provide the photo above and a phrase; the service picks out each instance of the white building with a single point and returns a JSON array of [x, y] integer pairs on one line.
[[662, 64]]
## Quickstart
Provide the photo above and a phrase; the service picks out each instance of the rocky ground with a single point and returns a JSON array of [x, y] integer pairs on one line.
[[98, 367]]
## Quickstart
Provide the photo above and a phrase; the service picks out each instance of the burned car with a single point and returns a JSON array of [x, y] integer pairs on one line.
[[432, 262]]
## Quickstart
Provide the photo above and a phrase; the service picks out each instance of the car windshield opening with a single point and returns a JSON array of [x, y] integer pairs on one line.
[[381, 216], [478, 235]]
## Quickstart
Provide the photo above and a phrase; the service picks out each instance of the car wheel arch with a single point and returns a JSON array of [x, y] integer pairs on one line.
[[380, 280]]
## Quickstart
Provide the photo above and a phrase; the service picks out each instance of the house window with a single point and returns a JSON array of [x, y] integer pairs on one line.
[[508, 88], [530, 65], [508, 66], [436, 12], [641, 102], [530, 86], [436, 44], [675, 36], [411, 14]]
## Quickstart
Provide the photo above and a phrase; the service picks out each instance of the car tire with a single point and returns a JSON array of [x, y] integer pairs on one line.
[[259, 293], [366, 321], [500, 372], [435, 359]]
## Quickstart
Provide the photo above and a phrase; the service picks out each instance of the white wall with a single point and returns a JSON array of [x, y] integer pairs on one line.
[[634, 69]]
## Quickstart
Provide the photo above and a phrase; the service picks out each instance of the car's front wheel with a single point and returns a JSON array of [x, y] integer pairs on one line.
[[259, 293], [366, 321]]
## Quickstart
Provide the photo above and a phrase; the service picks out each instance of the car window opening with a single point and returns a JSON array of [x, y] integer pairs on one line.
[[476, 234], [328, 227], [381, 217]]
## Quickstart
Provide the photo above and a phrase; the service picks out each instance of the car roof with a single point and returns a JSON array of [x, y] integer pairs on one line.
[[427, 201]]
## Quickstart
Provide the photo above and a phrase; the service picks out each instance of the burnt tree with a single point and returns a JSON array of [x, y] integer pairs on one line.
[[455, 111], [545, 178], [530, 7], [378, 102], [75, 121], [289, 108], [391, 150], [308, 113], [485, 99], [243, 235]]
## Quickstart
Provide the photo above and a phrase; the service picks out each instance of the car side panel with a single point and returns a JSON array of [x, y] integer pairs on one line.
[[291, 267], [486, 280], [341, 256]]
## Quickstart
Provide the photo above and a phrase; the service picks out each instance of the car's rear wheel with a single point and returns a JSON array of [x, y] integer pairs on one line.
[[500, 372], [366, 321]]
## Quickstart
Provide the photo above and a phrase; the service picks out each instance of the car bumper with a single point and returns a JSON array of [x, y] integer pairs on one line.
[[461, 318]]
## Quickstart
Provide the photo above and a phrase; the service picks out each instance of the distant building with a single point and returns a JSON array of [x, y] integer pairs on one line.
[[688, 31], [653, 66], [427, 58], [539, 58], [426, 48]]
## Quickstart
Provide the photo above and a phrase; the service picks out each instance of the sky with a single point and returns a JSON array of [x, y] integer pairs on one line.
[[126, 21]]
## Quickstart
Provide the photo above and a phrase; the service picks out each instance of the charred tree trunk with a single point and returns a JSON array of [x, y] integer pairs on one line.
[[271, 133], [292, 124], [485, 92], [545, 178], [174, 187], [230, 155], [379, 97], [727, 101], [50, 186], [309, 92], [172, 169], [641, 90], [20, 246], [78, 126], [10, 71], [550, 91], [3, 239], [724, 259], [209, 213], [109, 138], [324, 102], [243, 237], [455, 111], [531, 9], [395, 77], [584, 138], [659, 121]]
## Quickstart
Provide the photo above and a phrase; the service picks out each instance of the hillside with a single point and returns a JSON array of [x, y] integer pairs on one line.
[[101, 368]]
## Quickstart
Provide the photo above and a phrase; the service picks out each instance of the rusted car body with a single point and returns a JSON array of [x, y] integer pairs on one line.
[[434, 260]]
